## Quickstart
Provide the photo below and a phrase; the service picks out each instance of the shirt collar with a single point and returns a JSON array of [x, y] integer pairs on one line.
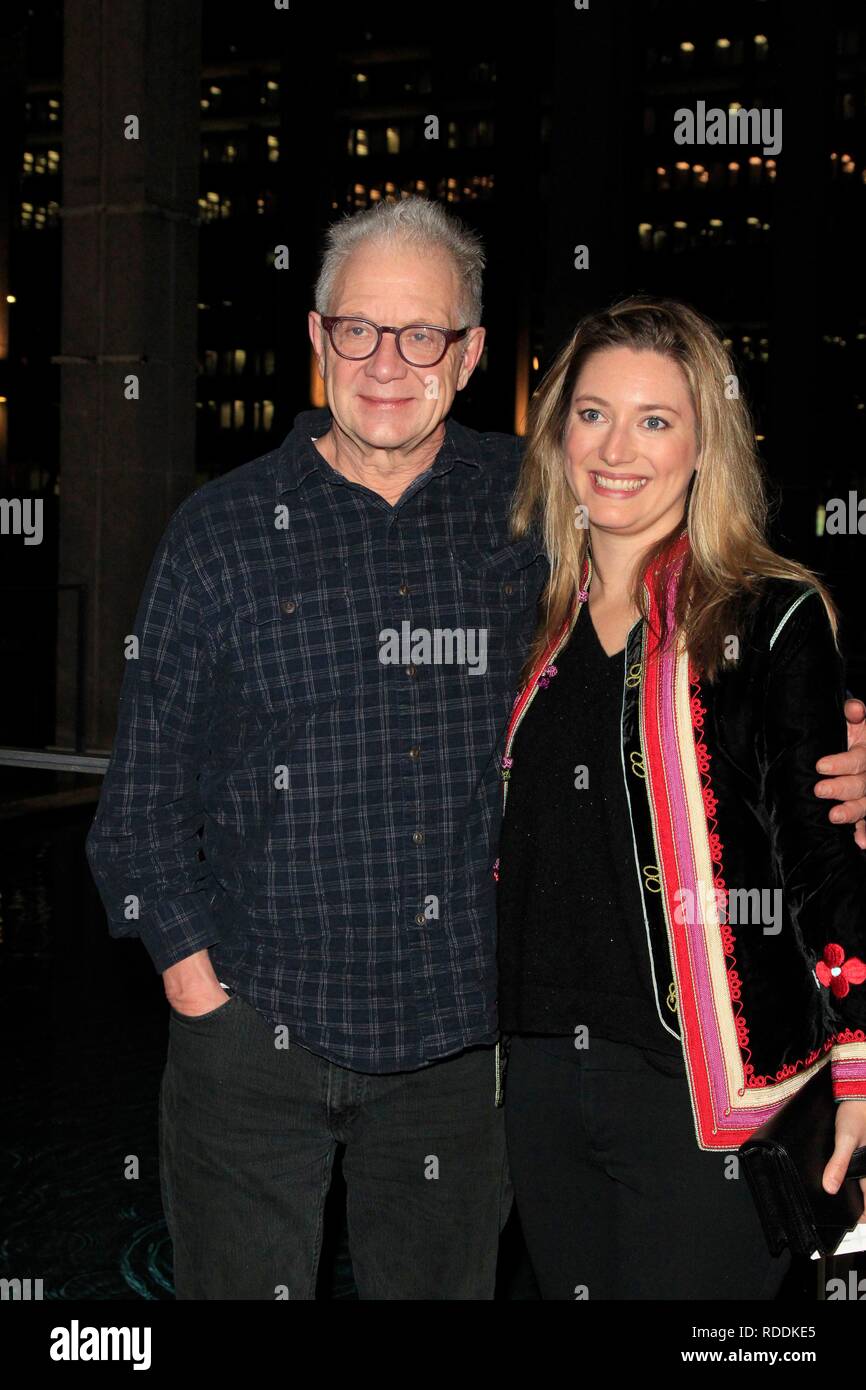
[[297, 456]]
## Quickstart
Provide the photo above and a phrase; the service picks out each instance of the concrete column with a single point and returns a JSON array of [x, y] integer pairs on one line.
[[591, 165], [128, 358]]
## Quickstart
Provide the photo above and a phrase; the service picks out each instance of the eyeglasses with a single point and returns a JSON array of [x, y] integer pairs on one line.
[[419, 344]]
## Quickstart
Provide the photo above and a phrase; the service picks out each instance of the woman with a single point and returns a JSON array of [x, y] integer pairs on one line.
[[682, 932]]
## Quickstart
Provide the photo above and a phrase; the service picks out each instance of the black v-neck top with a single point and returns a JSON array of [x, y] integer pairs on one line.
[[572, 937]]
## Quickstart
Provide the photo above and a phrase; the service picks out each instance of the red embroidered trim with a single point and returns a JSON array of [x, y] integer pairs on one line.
[[704, 757], [849, 1035]]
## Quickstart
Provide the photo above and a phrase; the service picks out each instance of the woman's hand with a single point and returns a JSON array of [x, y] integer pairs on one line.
[[850, 1135]]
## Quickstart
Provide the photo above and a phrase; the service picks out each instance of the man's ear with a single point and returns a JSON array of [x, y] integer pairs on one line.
[[473, 346], [317, 338]]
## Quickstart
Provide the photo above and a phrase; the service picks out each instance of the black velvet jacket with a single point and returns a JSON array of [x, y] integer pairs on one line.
[[754, 903]]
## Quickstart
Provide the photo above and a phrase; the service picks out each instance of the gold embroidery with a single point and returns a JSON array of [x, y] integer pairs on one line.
[[637, 765], [652, 878], [633, 677], [671, 1000]]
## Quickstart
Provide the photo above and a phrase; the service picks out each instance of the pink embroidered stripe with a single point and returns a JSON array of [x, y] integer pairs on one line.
[[662, 739]]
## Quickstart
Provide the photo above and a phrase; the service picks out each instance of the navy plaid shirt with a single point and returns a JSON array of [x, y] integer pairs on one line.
[[325, 820]]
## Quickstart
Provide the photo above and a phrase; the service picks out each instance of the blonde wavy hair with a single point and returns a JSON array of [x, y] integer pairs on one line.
[[726, 506]]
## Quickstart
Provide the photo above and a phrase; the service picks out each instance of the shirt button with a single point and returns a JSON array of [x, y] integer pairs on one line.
[[415, 752], [288, 605], [411, 670], [404, 589], [420, 919], [417, 837], [509, 588]]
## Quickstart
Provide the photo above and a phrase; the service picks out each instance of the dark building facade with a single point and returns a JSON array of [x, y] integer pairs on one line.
[[555, 138]]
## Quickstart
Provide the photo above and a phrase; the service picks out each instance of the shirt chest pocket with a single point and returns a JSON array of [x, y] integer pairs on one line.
[[295, 641], [498, 594]]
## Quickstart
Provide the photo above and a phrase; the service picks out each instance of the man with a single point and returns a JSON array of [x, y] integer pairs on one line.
[[330, 639]]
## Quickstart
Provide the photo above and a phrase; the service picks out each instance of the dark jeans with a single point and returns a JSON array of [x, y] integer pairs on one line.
[[614, 1196], [248, 1134]]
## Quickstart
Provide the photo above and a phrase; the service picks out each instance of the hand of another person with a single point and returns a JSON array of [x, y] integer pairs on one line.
[[846, 775], [850, 1135]]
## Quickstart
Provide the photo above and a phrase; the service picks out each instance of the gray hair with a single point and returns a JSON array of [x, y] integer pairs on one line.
[[413, 221]]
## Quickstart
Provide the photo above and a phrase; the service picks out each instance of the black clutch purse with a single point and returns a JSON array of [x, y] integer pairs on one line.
[[784, 1161]]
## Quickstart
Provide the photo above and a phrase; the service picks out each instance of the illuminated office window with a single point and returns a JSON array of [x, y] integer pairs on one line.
[[392, 139], [37, 216], [239, 415], [40, 162], [263, 413], [212, 207], [273, 149], [240, 360]]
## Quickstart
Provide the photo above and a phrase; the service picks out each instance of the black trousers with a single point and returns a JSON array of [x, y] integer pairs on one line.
[[615, 1198], [248, 1135]]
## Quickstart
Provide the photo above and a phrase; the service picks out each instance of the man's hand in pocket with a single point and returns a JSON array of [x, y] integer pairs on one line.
[[191, 986]]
